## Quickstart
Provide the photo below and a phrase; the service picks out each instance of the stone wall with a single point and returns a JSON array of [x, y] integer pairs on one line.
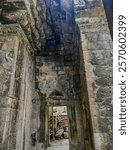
[[17, 86], [96, 70], [28, 15], [56, 79]]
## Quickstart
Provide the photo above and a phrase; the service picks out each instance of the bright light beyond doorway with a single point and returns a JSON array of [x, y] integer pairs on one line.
[[58, 128]]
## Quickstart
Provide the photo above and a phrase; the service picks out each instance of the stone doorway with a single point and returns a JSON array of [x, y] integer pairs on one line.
[[58, 128], [75, 127]]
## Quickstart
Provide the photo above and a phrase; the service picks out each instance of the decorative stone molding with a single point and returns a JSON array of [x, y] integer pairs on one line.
[[15, 30]]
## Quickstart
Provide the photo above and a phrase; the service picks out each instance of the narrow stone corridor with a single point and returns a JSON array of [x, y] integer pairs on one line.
[[55, 53]]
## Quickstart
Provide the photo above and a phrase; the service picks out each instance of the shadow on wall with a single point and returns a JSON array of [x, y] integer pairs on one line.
[[108, 5]]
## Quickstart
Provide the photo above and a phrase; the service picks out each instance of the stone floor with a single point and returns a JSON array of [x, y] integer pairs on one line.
[[59, 145]]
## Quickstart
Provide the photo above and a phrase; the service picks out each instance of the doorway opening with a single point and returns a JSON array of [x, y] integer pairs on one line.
[[58, 126]]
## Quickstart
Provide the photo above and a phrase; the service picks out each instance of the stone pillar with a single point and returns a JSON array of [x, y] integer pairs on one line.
[[96, 69], [19, 68], [9, 127]]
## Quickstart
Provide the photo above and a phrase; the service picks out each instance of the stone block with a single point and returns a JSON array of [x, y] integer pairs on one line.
[[100, 57], [103, 71], [109, 110], [109, 101], [104, 36], [92, 36], [103, 93], [105, 81], [98, 141], [66, 135], [106, 45], [102, 111], [103, 126]]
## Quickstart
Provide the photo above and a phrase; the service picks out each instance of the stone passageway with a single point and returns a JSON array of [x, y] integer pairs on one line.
[[55, 53]]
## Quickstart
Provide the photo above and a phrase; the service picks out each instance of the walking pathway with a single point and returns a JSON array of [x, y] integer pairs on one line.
[[59, 145]]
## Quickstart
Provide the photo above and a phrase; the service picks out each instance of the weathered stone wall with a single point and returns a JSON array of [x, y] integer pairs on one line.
[[56, 79], [96, 70], [57, 83], [28, 15], [17, 87]]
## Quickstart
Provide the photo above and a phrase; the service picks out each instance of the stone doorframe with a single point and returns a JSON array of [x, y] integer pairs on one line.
[[74, 122]]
